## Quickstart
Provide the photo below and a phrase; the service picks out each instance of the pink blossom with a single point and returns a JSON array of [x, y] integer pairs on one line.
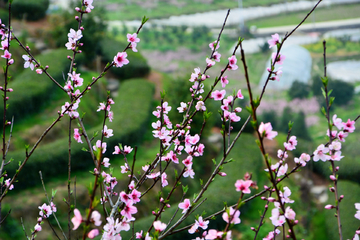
[[120, 59], [279, 58], [337, 122], [88, 5], [100, 145], [159, 226], [195, 75], [28, 62], [139, 234], [201, 223], [289, 213], [182, 108], [232, 63], [133, 47], [39, 71], [336, 156], [71, 44], [45, 211], [291, 144], [210, 62], [75, 35], [243, 186], [215, 43], [239, 94], [304, 158], [37, 228], [218, 95], [193, 228], [77, 219], [282, 155], [105, 162], [200, 106], [282, 170], [77, 135], [93, 233], [128, 210], [185, 205], [233, 215], [266, 131], [349, 126], [135, 195], [77, 80], [127, 149], [6, 55], [189, 172], [96, 218], [357, 206], [319, 153], [216, 56], [132, 38], [224, 81], [7, 184], [274, 41], [153, 175], [164, 182]]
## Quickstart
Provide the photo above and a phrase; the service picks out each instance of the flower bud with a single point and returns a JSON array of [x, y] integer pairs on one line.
[[296, 222], [253, 229], [263, 198], [271, 199], [332, 177], [222, 174], [88, 87], [337, 168], [46, 67], [11, 61], [332, 189], [28, 48], [78, 10], [357, 232], [329, 206], [82, 28], [10, 89]]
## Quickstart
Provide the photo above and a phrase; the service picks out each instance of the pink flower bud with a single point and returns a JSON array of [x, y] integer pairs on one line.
[[329, 206], [28, 48], [332, 189], [10, 90], [271, 199], [39, 71], [222, 174], [168, 205], [7, 98], [78, 10], [8, 123], [337, 168], [357, 232], [263, 198], [253, 229], [69, 57], [46, 67], [1, 88], [11, 61], [332, 177], [82, 28], [153, 213], [88, 87], [77, 18], [178, 125], [81, 44], [79, 51], [296, 222]]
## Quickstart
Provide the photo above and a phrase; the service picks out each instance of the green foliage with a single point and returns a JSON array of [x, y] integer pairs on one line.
[[299, 128], [4, 16], [33, 90], [351, 191], [93, 23], [342, 91], [31, 10], [298, 90], [286, 117], [131, 119], [137, 66], [270, 116]]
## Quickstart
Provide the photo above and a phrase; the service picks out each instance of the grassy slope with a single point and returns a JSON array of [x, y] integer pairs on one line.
[[321, 14]]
